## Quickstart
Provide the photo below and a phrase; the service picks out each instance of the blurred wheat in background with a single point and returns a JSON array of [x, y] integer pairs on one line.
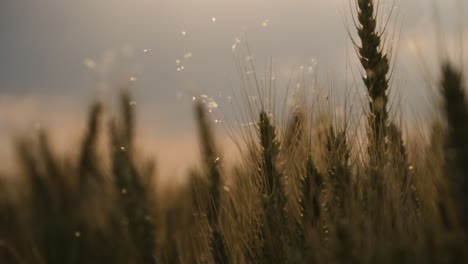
[[309, 185]]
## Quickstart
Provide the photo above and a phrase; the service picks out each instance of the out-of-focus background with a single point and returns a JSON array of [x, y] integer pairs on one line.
[[57, 56]]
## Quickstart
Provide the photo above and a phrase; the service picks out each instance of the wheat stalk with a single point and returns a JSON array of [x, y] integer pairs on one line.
[[456, 112], [376, 67], [212, 162]]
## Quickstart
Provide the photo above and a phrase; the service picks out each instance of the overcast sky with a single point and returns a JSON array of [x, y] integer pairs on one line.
[[56, 56]]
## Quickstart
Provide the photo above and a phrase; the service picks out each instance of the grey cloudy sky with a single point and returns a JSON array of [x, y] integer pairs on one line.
[[56, 56]]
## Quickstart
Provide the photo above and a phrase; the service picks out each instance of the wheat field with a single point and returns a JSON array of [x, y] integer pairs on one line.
[[308, 186]]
